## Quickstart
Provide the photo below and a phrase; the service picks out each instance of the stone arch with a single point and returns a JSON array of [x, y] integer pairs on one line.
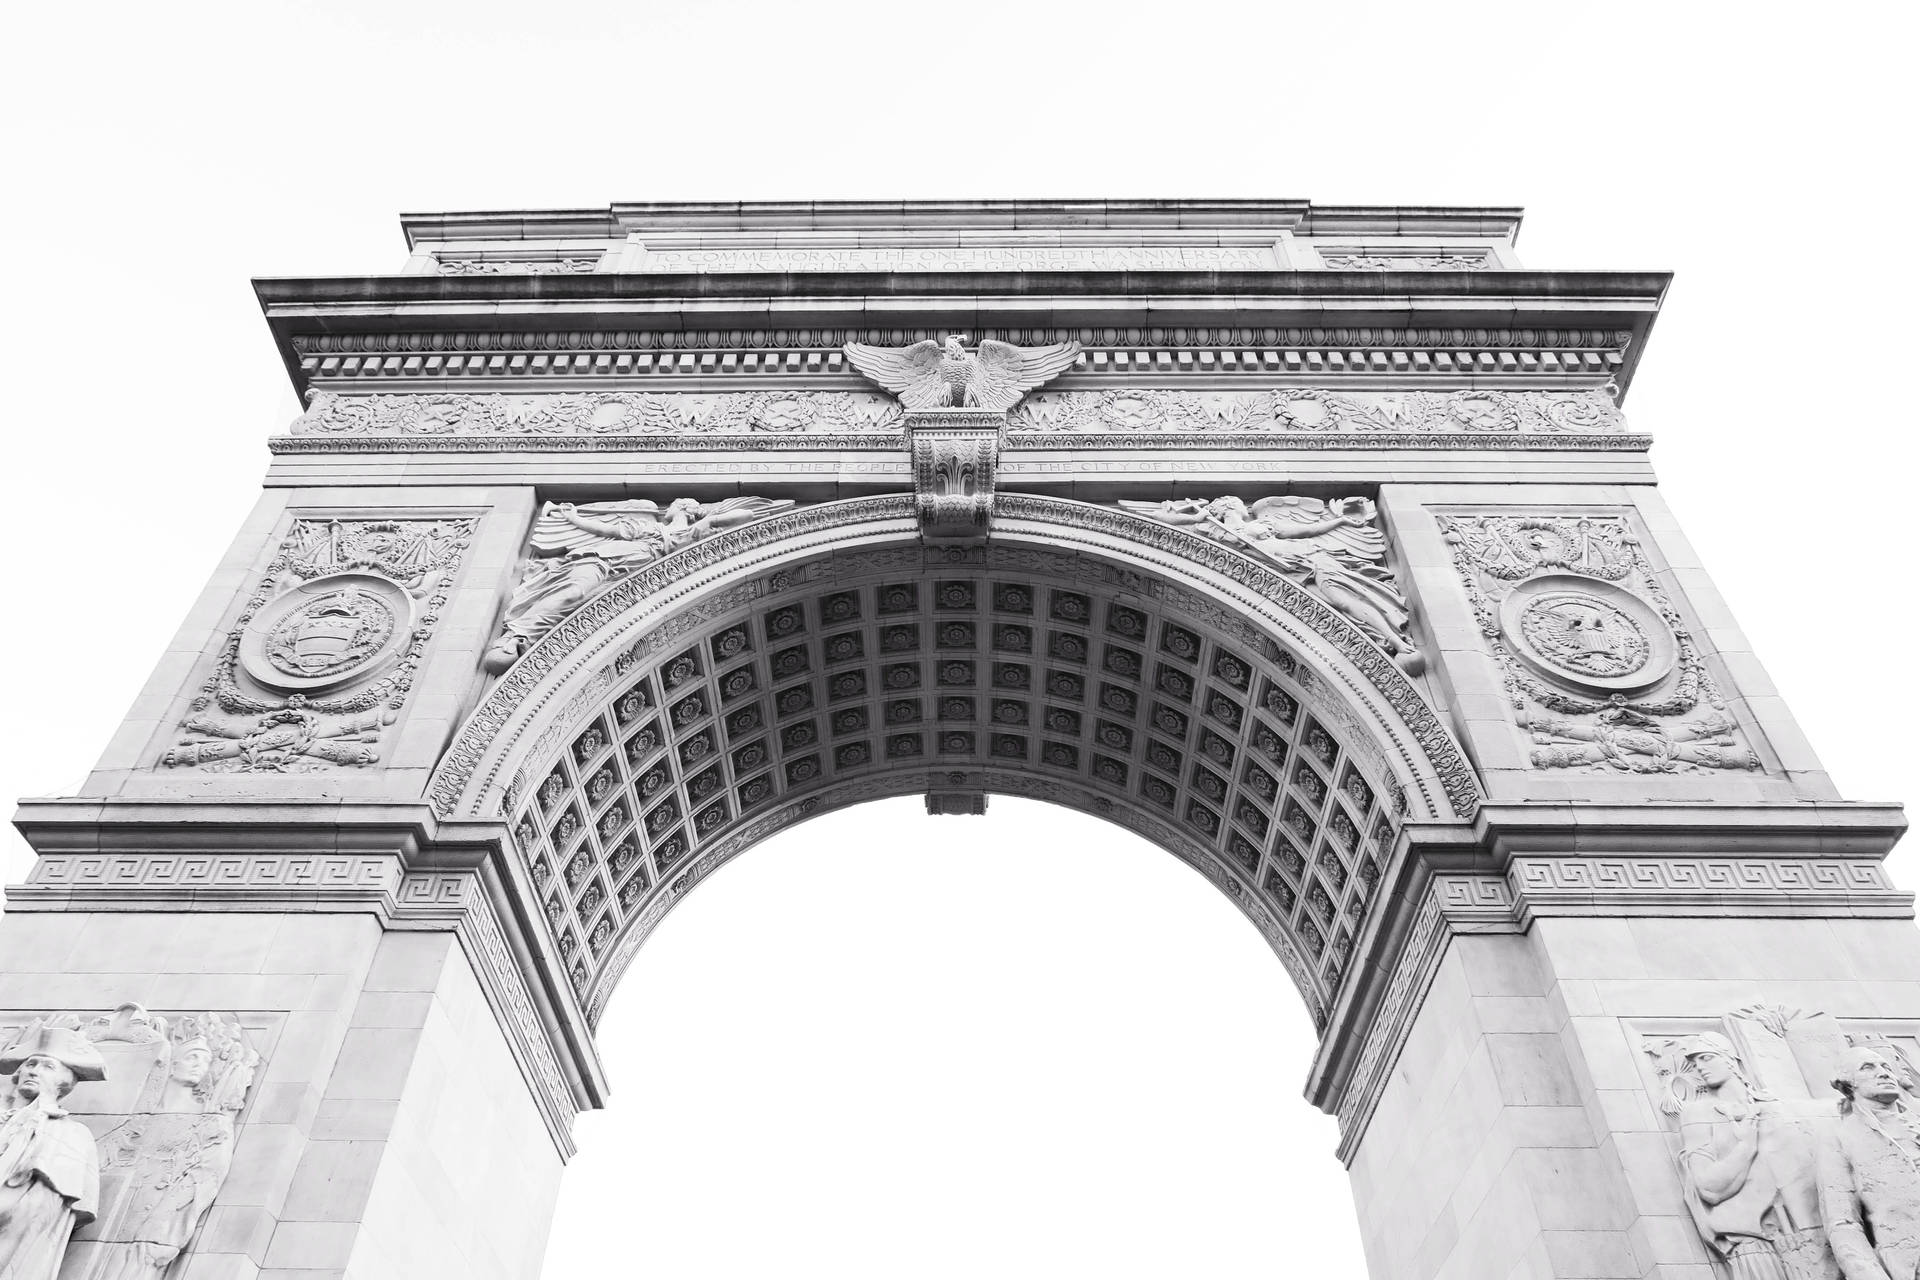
[[826, 656]]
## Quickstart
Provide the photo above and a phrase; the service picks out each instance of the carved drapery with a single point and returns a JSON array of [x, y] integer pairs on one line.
[[1335, 549], [577, 550], [1798, 1140]]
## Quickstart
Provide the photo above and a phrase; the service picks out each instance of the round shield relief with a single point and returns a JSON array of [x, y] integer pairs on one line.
[[1589, 634], [326, 633]]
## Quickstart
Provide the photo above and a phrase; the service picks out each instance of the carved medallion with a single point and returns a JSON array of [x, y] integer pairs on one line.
[[324, 652], [1590, 634], [327, 632], [1585, 635]]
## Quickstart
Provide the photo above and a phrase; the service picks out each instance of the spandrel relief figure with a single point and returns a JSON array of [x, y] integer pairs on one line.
[[1334, 549], [49, 1169], [579, 550], [1747, 1169], [1870, 1172]]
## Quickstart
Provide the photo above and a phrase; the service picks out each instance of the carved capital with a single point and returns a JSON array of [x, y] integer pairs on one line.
[[954, 455]]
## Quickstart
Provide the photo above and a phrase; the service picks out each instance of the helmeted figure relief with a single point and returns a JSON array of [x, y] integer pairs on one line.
[[933, 375], [1334, 549], [163, 1164], [1870, 1172], [1747, 1173], [578, 550], [49, 1170]]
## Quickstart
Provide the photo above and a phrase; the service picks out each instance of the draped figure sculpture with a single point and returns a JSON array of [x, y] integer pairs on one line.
[[1334, 549], [1748, 1168], [168, 1159], [1870, 1172], [578, 550], [49, 1169]]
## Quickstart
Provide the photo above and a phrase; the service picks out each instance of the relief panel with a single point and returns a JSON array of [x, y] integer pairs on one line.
[[326, 649], [1597, 664], [1796, 1140]]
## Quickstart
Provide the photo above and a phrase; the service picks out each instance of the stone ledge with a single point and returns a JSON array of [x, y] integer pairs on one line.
[[393, 861], [1515, 863]]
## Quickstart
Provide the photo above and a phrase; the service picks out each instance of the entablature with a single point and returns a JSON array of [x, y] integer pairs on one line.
[[1201, 328]]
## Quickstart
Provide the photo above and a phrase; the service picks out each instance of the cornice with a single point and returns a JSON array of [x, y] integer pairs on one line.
[[1394, 293], [395, 861], [1513, 864], [621, 219], [1361, 324]]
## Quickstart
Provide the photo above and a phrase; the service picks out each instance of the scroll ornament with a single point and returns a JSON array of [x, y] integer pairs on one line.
[[1335, 550], [577, 550]]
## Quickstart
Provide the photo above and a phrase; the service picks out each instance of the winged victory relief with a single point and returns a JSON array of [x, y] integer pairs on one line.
[[1334, 549], [578, 550], [933, 375]]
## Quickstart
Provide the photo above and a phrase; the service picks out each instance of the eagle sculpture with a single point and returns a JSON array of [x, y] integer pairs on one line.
[[930, 375]]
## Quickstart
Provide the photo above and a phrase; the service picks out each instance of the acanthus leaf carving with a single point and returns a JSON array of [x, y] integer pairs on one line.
[[614, 413], [1408, 262], [1315, 411], [955, 452]]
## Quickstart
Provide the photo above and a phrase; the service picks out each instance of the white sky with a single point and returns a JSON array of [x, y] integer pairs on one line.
[[1025, 1045]]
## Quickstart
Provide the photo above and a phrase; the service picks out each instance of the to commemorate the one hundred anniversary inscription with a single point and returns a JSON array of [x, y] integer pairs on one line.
[[1313, 544]]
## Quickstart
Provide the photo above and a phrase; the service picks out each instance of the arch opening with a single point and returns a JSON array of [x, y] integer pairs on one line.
[[655, 738], [1029, 982]]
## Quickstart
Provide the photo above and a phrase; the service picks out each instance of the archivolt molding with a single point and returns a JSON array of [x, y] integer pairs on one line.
[[1084, 656], [1056, 673], [571, 649], [1427, 751]]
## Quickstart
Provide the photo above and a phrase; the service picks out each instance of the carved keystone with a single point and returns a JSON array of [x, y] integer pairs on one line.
[[962, 803], [954, 454]]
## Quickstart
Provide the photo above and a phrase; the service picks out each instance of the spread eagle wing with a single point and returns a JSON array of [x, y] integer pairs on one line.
[[715, 516], [1288, 516], [1003, 373], [554, 535], [912, 373], [1185, 513]]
